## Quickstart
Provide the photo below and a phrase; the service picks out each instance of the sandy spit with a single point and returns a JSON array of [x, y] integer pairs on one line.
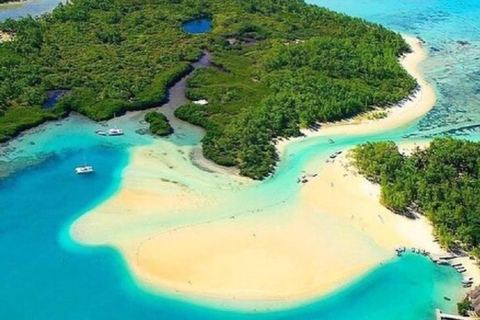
[[405, 112], [172, 223]]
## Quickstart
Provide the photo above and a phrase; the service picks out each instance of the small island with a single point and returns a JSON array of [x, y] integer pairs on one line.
[[276, 67], [159, 124]]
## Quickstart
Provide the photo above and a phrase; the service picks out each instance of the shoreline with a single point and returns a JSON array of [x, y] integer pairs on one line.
[[254, 262], [14, 3], [348, 188], [406, 111]]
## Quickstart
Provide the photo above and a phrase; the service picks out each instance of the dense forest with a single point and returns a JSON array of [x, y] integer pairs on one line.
[[441, 181], [159, 124], [277, 66]]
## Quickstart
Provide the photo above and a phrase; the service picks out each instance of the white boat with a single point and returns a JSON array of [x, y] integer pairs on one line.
[[202, 102], [101, 133], [84, 169], [467, 280], [115, 132]]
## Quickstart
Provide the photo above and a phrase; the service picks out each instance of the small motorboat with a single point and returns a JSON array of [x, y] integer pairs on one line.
[[101, 133]]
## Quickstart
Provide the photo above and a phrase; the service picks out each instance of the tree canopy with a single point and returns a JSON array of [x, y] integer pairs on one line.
[[159, 124], [441, 182], [278, 65]]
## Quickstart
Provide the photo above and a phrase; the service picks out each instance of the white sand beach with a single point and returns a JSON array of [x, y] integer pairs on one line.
[[177, 228], [405, 112]]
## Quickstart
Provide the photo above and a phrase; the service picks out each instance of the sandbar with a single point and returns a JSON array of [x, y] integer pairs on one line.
[[192, 233], [405, 112]]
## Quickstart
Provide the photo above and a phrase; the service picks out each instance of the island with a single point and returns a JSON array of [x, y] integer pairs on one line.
[[273, 245], [159, 124], [439, 180], [277, 67]]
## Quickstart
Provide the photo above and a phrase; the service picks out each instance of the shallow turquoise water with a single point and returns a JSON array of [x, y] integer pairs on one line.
[[452, 67], [44, 275]]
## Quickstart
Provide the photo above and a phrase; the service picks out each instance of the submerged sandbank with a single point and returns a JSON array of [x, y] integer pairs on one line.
[[183, 243], [180, 240], [195, 234]]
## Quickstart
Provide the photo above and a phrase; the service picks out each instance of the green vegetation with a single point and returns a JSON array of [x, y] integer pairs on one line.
[[277, 66], [441, 182], [159, 124], [464, 307], [377, 115], [114, 56]]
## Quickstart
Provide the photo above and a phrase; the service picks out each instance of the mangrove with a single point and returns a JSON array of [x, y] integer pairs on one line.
[[277, 66]]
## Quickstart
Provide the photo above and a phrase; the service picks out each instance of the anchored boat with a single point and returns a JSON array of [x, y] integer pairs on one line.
[[85, 169]]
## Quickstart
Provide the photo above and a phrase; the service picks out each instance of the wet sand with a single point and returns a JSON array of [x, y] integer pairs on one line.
[[176, 224]]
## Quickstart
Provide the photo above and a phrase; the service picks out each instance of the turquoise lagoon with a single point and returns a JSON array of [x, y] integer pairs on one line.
[[44, 275]]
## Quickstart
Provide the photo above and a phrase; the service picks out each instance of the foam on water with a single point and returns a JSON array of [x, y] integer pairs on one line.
[[44, 275]]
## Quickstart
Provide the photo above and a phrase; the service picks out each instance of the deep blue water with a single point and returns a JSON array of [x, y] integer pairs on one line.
[[197, 26], [43, 275]]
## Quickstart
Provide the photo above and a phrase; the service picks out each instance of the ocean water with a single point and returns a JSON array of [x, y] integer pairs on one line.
[[451, 30], [44, 275], [30, 7]]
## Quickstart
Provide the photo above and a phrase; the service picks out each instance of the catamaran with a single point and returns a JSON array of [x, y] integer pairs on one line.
[[85, 168], [114, 131]]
